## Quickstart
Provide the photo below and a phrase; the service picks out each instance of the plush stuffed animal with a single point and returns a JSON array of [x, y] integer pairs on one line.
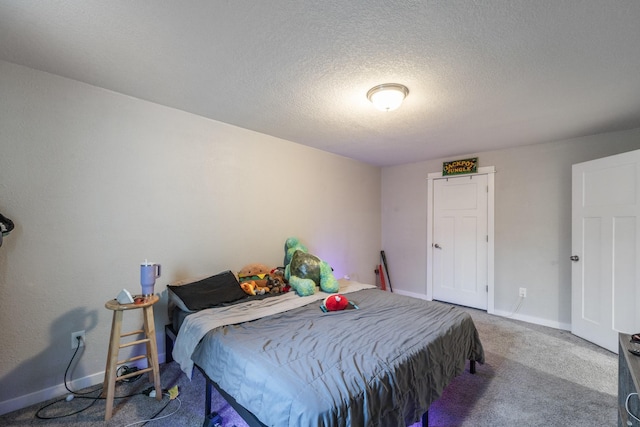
[[276, 282], [305, 271], [251, 288], [336, 302], [256, 272]]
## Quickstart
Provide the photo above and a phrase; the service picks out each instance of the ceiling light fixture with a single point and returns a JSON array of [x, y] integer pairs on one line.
[[388, 96]]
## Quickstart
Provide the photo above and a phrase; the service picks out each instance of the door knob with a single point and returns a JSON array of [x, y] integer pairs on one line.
[[575, 258], [437, 246]]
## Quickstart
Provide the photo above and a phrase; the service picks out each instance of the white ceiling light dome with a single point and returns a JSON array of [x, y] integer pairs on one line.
[[388, 96]]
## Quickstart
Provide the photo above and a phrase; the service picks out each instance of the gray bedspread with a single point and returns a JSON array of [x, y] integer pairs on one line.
[[380, 365]]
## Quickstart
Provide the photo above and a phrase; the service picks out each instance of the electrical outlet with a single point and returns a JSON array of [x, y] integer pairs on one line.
[[523, 292], [74, 339]]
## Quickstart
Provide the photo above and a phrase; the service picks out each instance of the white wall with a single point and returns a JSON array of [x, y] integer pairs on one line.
[[97, 182], [532, 222]]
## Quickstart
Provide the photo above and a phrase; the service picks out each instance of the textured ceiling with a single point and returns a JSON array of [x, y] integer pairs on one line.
[[482, 74]]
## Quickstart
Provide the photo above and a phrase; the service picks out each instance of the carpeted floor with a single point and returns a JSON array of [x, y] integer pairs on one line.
[[533, 376]]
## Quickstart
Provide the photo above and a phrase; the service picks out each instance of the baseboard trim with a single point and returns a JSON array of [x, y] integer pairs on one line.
[[534, 320], [501, 313], [59, 390], [410, 294]]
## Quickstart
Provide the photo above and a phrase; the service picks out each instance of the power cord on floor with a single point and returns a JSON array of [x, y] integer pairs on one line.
[[76, 394], [126, 370], [626, 406], [69, 397], [519, 304], [155, 416]]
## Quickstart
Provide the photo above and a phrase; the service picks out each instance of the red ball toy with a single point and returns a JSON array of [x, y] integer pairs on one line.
[[336, 302]]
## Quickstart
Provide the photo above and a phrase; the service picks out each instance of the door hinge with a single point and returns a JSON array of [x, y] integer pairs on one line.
[[487, 238]]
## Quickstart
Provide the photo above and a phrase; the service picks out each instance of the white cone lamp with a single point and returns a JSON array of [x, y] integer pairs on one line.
[[388, 96]]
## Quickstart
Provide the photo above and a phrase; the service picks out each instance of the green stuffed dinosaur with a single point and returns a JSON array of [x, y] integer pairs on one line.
[[304, 271]]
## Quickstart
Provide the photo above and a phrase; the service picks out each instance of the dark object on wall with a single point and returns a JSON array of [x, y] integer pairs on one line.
[[6, 225], [457, 167]]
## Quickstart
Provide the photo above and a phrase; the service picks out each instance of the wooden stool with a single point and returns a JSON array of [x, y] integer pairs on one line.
[[149, 332]]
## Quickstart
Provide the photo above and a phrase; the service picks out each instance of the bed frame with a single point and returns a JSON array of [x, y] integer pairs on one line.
[[248, 415]]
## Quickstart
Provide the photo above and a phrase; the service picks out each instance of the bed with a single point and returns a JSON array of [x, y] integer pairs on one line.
[[282, 361]]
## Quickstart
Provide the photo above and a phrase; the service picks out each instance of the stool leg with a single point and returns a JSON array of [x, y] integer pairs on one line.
[[152, 349], [112, 363]]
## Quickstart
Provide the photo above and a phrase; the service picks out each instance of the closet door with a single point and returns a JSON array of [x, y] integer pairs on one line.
[[460, 240]]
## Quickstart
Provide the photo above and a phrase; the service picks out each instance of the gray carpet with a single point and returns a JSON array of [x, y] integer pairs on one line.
[[533, 376]]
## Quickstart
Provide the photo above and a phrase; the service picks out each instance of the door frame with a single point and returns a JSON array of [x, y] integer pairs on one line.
[[490, 172]]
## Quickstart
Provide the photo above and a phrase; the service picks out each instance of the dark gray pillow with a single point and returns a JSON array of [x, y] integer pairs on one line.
[[214, 291]]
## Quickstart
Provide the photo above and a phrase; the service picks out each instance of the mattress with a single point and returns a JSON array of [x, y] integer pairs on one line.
[[381, 364]]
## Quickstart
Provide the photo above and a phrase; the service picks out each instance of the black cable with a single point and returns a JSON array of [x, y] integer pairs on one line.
[[127, 370], [42, 417], [70, 391], [151, 418], [66, 371], [77, 394]]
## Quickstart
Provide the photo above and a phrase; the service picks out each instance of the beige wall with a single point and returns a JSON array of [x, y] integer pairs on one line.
[[532, 222], [97, 182]]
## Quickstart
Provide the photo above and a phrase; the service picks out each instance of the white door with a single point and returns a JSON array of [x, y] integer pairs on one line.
[[605, 291], [460, 240]]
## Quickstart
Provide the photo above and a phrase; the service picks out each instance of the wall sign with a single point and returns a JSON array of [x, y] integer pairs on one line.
[[457, 167]]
